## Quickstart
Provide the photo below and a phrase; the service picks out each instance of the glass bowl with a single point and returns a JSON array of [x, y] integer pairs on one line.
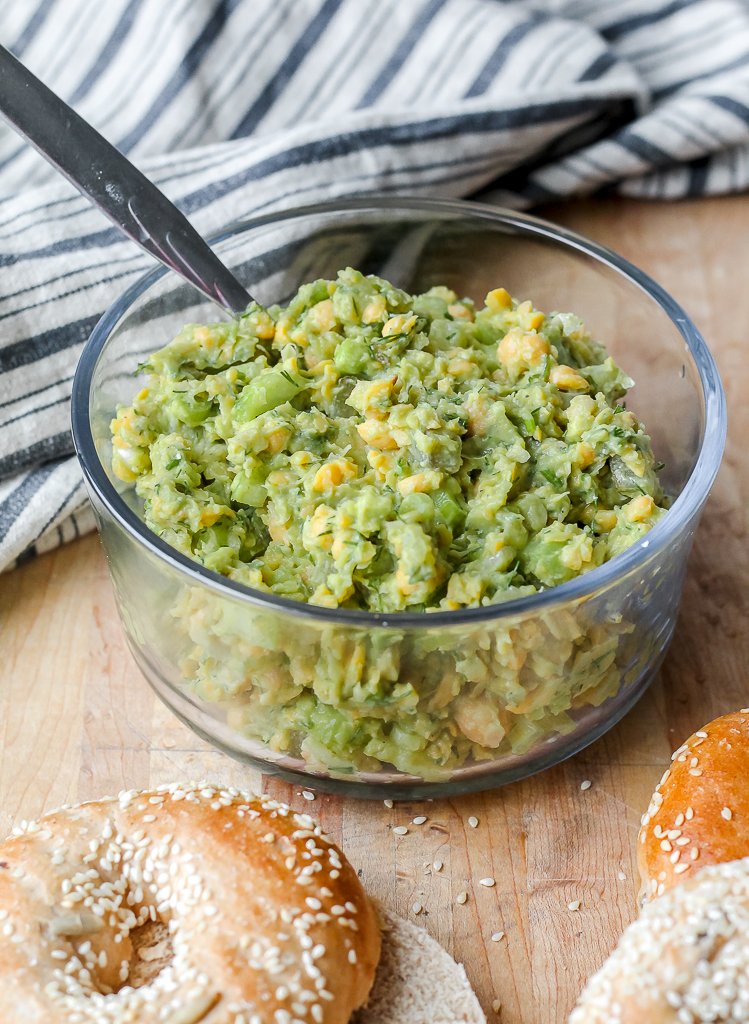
[[280, 684]]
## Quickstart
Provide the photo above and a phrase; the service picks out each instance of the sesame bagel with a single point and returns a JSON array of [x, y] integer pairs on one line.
[[685, 960], [699, 813], [180, 905]]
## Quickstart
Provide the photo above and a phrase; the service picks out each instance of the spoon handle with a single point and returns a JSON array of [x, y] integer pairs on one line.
[[113, 184]]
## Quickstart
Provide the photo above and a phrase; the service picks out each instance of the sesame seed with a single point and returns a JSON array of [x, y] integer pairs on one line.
[[488, 882], [694, 853], [496, 1006], [674, 833], [497, 936], [702, 734], [586, 785], [473, 822], [689, 814], [622, 877], [461, 898], [680, 868], [575, 905], [437, 865], [308, 795], [420, 819], [400, 830], [352, 956], [665, 845], [388, 803], [679, 820], [695, 771], [726, 813], [417, 908]]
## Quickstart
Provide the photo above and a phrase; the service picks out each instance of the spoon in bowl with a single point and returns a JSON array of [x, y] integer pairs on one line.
[[112, 183]]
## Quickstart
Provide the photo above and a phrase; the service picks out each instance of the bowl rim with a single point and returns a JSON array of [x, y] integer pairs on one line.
[[687, 504]]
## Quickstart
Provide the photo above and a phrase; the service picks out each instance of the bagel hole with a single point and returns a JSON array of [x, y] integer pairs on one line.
[[152, 952]]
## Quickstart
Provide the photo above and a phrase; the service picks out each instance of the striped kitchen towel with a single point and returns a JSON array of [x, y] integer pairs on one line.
[[240, 106]]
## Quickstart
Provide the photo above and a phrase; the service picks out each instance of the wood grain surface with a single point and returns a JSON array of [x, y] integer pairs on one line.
[[77, 720]]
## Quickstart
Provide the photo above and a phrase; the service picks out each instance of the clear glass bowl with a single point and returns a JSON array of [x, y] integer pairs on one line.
[[569, 661]]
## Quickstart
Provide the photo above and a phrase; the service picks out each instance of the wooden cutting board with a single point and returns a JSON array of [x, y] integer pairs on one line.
[[77, 720]]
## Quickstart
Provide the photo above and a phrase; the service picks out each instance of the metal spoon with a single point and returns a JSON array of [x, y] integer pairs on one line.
[[113, 184]]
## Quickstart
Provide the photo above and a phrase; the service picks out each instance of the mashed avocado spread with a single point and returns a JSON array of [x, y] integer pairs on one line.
[[365, 448]]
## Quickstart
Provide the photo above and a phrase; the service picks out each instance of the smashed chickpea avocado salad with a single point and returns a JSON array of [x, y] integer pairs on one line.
[[363, 448], [368, 449]]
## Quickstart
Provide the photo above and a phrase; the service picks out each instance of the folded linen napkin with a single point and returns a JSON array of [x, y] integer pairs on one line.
[[241, 106]]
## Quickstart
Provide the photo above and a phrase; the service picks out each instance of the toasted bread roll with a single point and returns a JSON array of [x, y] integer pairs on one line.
[[699, 813], [179, 905]]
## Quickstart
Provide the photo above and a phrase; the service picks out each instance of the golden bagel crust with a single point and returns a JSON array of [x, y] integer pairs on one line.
[[699, 813], [268, 922], [685, 960]]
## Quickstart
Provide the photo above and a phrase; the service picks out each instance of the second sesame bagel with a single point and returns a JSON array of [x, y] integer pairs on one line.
[[699, 812]]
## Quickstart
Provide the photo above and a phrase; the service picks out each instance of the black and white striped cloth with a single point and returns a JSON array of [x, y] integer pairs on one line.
[[238, 106]]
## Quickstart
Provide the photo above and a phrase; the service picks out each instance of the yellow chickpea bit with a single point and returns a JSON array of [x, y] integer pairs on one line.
[[321, 316], [401, 323], [371, 398], [640, 508], [211, 516], [420, 483], [281, 335], [568, 379], [323, 598], [519, 351], [278, 438], [381, 463], [528, 318], [299, 460], [463, 368], [605, 520], [460, 312], [333, 474], [318, 527], [382, 435], [498, 300], [264, 326], [575, 555], [585, 454], [479, 410], [374, 310]]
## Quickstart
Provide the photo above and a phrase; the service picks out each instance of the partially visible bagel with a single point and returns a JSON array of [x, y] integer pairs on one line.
[[685, 960], [699, 813], [182, 904], [417, 982]]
